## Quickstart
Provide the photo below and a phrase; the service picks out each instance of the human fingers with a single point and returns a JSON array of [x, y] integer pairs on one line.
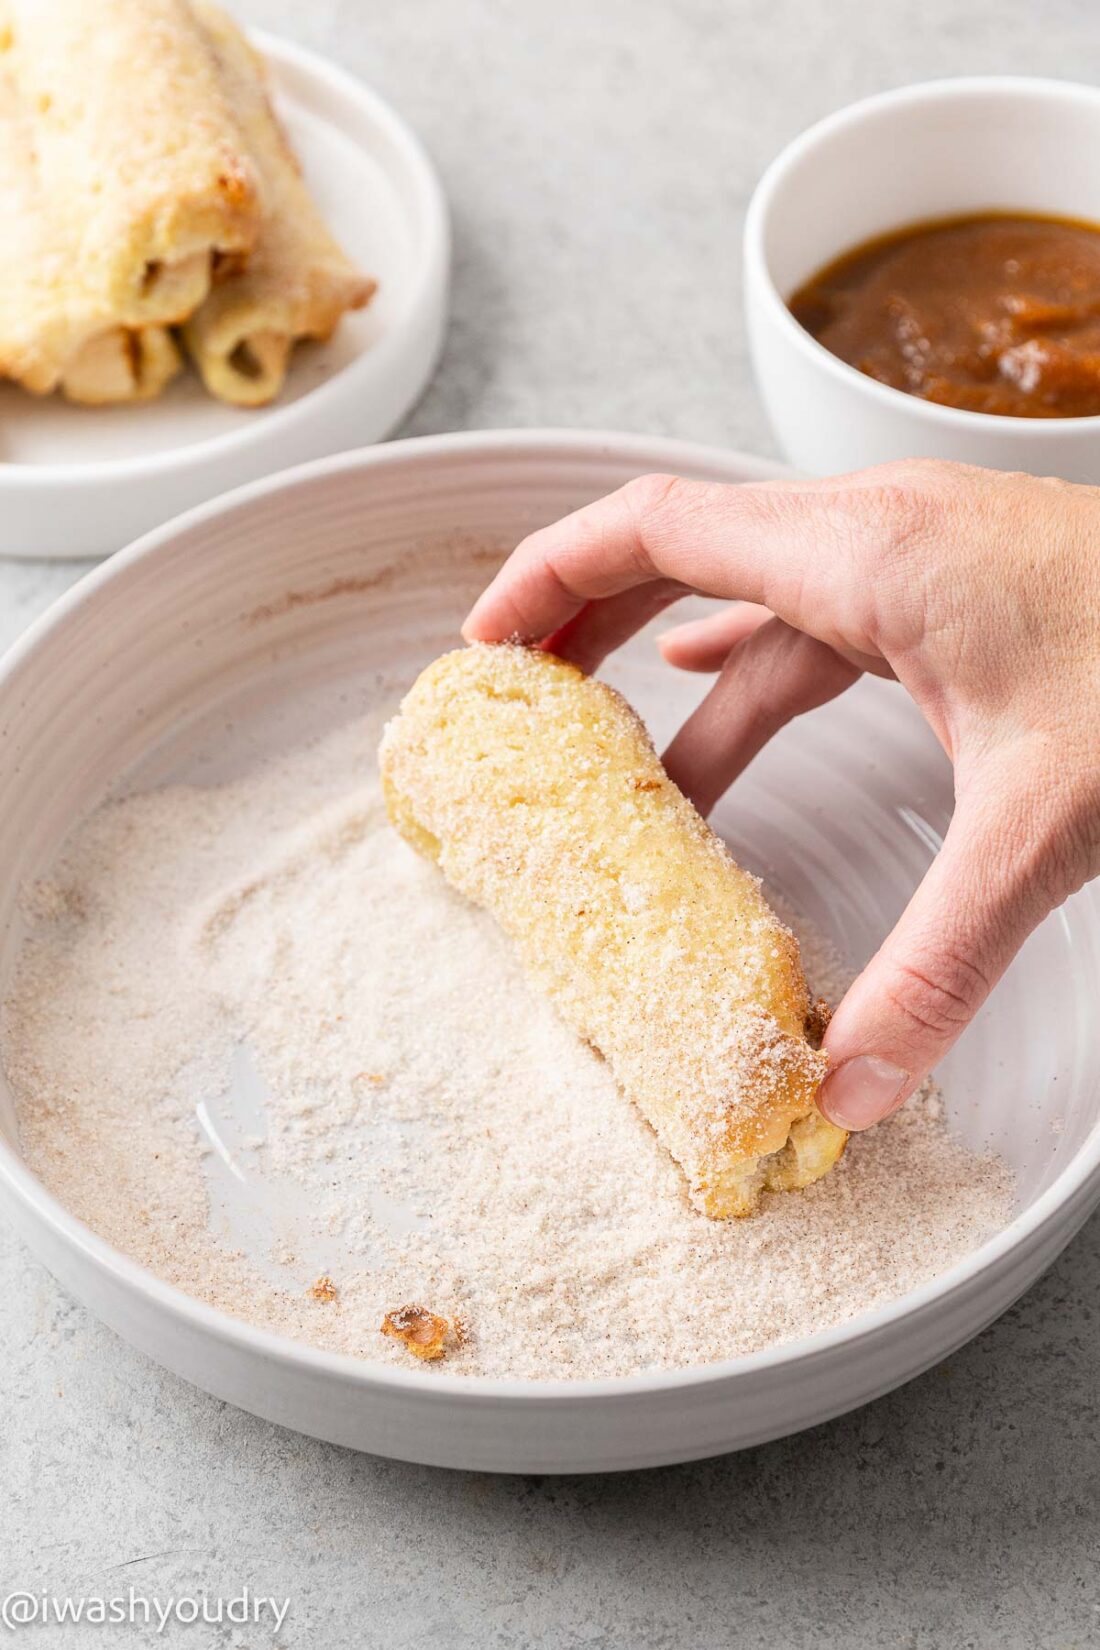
[[600, 627], [995, 878], [798, 548], [774, 675], [705, 644]]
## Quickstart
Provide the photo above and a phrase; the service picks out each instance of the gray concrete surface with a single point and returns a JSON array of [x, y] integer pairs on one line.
[[598, 154]]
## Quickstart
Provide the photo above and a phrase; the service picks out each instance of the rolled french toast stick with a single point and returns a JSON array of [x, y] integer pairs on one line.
[[55, 333], [297, 282], [137, 151], [537, 791]]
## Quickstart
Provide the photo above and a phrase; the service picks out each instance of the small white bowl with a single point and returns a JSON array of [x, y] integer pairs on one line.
[[253, 615], [941, 149], [84, 481]]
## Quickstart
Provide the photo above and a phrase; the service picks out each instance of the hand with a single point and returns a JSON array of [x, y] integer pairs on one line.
[[979, 592]]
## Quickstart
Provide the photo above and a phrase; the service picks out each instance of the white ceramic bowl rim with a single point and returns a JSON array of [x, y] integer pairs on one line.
[[431, 205], [649, 452], [763, 200]]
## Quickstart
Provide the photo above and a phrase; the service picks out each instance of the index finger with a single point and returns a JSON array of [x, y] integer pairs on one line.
[[739, 540]]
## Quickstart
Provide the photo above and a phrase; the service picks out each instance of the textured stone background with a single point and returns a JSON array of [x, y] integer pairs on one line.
[[598, 155]]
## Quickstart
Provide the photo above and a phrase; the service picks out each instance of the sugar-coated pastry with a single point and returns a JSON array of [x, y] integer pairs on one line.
[[54, 333], [137, 149], [539, 794], [297, 282], [145, 183]]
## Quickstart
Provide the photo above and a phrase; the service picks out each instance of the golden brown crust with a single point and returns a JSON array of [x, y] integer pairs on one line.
[[297, 282], [53, 333], [137, 151], [147, 183], [538, 792]]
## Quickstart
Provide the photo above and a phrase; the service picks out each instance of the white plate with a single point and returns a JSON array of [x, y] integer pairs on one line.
[[243, 626], [83, 481]]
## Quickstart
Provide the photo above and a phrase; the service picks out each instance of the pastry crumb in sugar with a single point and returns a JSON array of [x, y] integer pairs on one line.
[[425, 1334], [493, 1174]]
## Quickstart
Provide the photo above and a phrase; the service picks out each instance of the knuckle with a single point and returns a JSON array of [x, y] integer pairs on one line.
[[900, 515], [656, 506], [939, 477], [885, 529], [650, 494], [878, 526], [938, 995], [899, 505]]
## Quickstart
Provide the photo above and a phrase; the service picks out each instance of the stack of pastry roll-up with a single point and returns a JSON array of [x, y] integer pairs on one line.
[[146, 186]]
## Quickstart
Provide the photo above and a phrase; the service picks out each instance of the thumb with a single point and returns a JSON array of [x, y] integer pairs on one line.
[[989, 886]]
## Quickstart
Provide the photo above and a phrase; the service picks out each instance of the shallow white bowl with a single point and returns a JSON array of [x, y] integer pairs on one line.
[[928, 151], [258, 618], [84, 481]]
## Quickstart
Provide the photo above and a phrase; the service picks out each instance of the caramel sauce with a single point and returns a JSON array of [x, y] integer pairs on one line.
[[993, 313]]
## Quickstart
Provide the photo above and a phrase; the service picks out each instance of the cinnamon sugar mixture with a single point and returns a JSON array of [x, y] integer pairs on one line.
[[258, 1044]]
